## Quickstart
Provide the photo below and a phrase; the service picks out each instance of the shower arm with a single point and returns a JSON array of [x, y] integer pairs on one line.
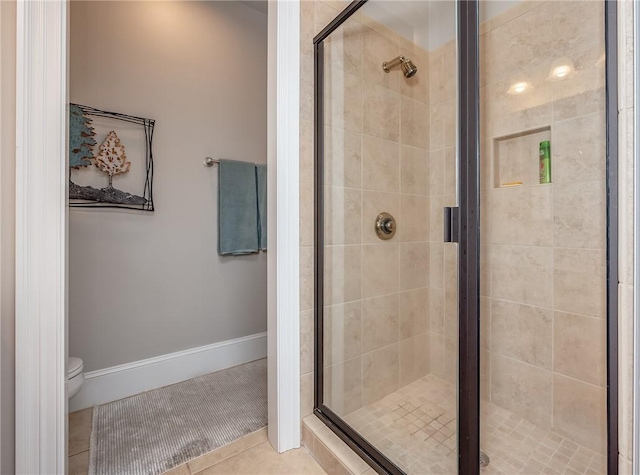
[[388, 65]]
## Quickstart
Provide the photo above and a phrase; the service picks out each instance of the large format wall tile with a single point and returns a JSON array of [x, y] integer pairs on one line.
[[306, 154], [586, 261], [451, 315], [414, 312], [436, 310], [414, 171], [414, 358], [437, 354], [380, 269], [306, 341], [579, 292], [579, 156], [342, 270], [380, 164], [570, 30], [450, 276], [343, 100], [485, 268], [437, 113], [343, 157], [306, 215], [523, 389], [343, 49], [380, 373], [414, 218], [450, 171], [579, 214], [451, 360], [522, 332], [306, 87], [306, 277], [511, 114], [306, 394], [381, 109], [579, 346], [579, 411], [437, 78], [436, 217], [380, 322], [522, 274], [450, 124], [343, 215], [343, 386], [342, 332], [436, 172], [531, 35], [414, 265], [414, 123], [436, 264], [485, 323], [580, 95], [522, 215]]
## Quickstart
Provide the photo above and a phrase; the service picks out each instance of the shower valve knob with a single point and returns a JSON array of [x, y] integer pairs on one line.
[[385, 226]]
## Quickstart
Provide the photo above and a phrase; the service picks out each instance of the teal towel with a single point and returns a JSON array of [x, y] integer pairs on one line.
[[237, 208], [261, 188]]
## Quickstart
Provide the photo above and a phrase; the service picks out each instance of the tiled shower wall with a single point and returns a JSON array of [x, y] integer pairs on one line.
[[543, 253]]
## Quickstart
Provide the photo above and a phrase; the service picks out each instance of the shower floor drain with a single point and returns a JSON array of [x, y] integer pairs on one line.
[[484, 459]]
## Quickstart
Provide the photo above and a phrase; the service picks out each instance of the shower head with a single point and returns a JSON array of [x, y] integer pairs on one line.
[[408, 68]]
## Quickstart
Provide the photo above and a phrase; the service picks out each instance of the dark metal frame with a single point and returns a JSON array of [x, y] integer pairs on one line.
[[611, 47], [469, 240], [468, 245]]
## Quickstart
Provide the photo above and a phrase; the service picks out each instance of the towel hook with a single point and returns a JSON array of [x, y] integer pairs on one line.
[[208, 161]]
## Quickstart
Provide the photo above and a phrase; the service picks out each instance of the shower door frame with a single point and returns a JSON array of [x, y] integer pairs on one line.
[[468, 239]]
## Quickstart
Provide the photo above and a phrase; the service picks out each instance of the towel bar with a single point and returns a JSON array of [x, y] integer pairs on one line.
[[208, 161]]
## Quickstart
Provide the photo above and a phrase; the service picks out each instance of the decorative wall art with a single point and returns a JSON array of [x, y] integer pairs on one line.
[[123, 161]]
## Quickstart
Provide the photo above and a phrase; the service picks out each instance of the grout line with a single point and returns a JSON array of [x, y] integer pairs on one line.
[[226, 458]]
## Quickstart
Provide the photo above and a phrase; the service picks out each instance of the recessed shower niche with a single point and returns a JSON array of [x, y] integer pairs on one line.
[[516, 157]]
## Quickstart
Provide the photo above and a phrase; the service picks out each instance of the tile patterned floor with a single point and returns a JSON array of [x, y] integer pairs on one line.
[[416, 427]]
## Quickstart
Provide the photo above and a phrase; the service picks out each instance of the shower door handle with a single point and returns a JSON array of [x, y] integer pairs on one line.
[[451, 224]]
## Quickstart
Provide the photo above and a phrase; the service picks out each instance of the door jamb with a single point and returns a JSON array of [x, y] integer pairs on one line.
[[41, 232]]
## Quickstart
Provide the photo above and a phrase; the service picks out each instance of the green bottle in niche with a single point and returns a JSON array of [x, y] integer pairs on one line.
[[545, 162]]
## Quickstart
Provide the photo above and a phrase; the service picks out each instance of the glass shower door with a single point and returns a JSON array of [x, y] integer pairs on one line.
[[387, 302], [543, 255]]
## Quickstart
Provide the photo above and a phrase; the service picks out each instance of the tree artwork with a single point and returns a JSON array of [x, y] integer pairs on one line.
[[81, 139], [112, 158]]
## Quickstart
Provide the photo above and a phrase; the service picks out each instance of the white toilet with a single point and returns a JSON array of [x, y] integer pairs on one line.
[[75, 376]]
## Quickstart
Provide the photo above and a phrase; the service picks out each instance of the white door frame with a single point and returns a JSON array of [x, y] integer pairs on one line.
[[41, 232]]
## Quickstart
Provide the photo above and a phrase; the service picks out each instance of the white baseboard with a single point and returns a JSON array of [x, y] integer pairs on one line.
[[117, 382]]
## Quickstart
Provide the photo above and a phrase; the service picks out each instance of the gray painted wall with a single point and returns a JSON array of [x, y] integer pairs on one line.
[[147, 284], [7, 232]]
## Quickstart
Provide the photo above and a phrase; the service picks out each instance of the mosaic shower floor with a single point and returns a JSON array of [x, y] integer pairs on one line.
[[416, 428]]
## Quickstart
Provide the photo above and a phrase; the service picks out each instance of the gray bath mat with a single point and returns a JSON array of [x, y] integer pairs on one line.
[[152, 432]]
